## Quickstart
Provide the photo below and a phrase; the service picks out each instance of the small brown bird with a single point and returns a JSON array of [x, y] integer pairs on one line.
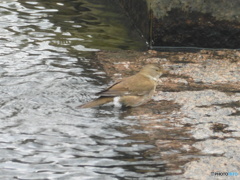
[[131, 91]]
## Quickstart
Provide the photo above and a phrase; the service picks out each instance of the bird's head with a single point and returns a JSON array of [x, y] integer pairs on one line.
[[152, 70]]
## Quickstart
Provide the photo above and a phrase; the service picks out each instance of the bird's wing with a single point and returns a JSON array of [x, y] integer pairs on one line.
[[134, 85]]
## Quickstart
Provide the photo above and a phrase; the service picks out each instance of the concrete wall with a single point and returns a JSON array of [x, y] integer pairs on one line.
[[181, 23]]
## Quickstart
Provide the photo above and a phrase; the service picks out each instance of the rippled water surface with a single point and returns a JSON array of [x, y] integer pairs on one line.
[[46, 70]]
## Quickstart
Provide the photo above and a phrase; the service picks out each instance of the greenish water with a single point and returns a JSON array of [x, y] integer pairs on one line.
[[88, 25]]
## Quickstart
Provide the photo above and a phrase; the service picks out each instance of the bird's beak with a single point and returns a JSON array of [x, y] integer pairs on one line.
[[164, 72]]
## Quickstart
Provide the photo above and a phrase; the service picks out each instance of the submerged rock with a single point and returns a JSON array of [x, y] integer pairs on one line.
[[194, 116]]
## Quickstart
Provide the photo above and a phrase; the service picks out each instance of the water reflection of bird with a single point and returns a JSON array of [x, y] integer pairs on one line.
[[131, 91]]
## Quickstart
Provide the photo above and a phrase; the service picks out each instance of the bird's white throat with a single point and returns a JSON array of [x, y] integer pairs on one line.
[[152, 78]]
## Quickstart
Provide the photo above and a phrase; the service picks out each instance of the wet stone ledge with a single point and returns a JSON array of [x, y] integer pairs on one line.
[[194, 116], [187, 23]]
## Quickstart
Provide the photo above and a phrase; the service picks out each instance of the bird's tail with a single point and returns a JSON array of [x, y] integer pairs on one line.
[[96, 102]]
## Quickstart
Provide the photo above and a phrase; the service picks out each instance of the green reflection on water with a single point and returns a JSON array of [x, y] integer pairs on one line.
[[88, 25]]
